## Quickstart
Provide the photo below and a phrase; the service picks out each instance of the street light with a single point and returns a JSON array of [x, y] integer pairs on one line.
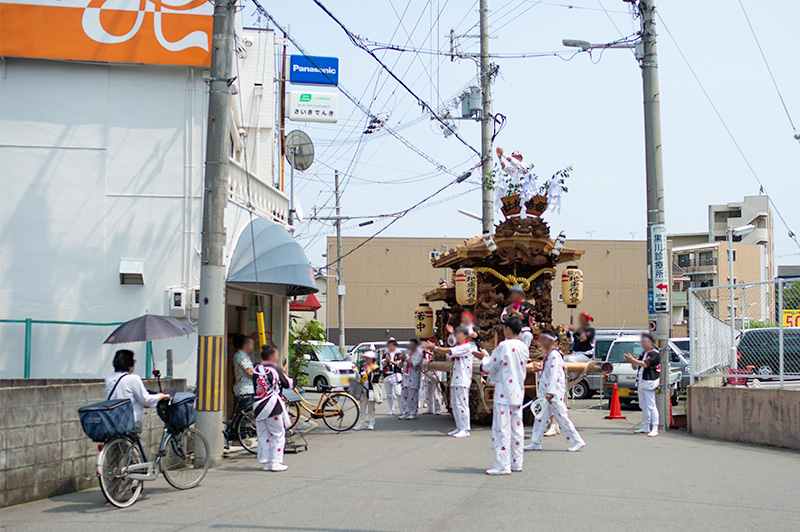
[[732, 232]]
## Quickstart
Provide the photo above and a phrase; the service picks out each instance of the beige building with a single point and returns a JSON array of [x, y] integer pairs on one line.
[[385, 280], [386, 277]]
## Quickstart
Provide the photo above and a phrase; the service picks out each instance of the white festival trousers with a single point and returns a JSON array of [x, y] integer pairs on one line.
[[556, 408], [271, 439], [433, 396], [391, 383], [409, 401], [647, 402], [508, 437], [459, 401], [367, 411]]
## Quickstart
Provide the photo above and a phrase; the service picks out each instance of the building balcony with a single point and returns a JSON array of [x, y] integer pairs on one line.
[[268, 202], [679, 299]]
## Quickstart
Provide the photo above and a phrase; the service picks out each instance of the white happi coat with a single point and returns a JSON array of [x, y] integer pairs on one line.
[[451, 339], [412, 370], [552, 379], [462, 364], [506, 369]]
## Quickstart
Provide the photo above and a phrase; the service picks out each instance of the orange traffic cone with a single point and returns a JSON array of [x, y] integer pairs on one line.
[[616, 411]]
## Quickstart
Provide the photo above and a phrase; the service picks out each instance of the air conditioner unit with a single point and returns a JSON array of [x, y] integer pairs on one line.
[[177, 302], [194, 303]]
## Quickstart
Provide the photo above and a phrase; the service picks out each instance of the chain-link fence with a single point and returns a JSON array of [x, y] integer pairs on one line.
[[748, 334]]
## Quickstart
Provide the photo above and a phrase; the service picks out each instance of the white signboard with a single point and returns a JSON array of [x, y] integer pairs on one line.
[[307, 106], [660, 267]]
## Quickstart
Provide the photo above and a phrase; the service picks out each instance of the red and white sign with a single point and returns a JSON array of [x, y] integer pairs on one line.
[[172, 32]]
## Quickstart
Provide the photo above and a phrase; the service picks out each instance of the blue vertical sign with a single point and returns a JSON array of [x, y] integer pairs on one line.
[[314, 70]]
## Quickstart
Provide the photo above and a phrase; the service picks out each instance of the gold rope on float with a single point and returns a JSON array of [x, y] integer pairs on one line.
[[512, 279]]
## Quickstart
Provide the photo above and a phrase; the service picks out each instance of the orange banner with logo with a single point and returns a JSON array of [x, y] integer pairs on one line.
[[171, 32]]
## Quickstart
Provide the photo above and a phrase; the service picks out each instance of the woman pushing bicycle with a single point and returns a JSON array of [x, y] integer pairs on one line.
[[270, 410]]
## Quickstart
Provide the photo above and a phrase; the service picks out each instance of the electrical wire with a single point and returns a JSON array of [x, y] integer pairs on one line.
[[419, 100], [353, 99], [763, 190], [771, 75]]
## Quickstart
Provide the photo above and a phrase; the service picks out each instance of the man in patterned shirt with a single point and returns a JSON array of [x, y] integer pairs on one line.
[[243, 390]]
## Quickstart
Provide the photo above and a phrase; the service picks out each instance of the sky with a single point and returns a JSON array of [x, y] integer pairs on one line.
[[565, 110]]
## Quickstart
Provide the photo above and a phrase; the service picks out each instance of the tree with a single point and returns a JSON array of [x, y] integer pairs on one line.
[[300, 337]]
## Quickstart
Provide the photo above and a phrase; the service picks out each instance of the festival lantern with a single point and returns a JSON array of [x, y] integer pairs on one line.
[[423, 321], [466, 286], [572, 286]]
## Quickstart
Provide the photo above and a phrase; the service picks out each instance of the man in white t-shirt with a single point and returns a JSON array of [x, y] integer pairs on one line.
[[461, 379], [125, 384]]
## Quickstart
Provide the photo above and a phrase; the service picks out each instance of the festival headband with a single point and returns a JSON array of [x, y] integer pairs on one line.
[[468, 313], [587, 316], [548, 335]]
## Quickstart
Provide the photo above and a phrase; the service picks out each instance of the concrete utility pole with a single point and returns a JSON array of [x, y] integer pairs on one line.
[[340, 289], [211, 327], [655, 185], [486, 121]]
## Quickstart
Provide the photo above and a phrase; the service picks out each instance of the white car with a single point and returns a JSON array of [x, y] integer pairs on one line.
[[355, 355], [624, 376], [326, 366]]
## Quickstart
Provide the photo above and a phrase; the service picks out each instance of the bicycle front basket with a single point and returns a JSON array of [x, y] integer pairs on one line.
[[107, 420], [181, 411]]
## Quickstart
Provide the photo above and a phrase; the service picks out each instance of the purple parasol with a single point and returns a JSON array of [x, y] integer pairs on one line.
[[147, 328]]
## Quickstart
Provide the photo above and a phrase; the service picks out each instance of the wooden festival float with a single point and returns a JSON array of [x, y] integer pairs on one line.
[[483, 270]]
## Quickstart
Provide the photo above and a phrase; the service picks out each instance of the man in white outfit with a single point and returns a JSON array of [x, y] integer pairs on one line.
[[412, 374], [552, 387], [648, 377], [460, 380], [392, 374], [506, 369], [431, 394]]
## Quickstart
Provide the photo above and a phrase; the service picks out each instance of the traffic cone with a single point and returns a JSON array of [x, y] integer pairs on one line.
[[616, 411]]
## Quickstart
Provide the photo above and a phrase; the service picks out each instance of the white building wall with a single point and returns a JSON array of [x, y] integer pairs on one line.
[[101, 163]]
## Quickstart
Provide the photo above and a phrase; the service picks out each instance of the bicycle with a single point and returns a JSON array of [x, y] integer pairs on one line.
[[338, 410], [243, 428], [183, 457]]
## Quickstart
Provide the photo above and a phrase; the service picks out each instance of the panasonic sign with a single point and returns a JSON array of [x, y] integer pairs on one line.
[[314, 70]]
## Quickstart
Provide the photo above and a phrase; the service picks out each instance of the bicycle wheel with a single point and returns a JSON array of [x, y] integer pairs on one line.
[[340, 412], [186, 459], [115, 457], [247, 432], [294, 414]]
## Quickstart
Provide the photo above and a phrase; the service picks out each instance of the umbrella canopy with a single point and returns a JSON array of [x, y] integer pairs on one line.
[[267, 259], [147, 328]]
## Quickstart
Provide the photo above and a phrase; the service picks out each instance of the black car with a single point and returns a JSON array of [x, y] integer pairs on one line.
[[758, 350]]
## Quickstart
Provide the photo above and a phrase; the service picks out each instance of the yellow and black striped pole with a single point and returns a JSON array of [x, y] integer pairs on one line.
[[210, 358]]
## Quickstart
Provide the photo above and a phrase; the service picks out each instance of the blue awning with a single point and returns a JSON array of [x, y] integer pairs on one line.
[[279, 265]]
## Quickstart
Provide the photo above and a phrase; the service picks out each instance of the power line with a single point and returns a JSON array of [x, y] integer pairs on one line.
[[771, 75], [763, 190], [420, 101], [397, 216], [353, 99]]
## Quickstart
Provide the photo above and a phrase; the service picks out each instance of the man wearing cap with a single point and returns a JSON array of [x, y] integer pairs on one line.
[[370, 378], [521, 309], [392, 374], [552, 387]]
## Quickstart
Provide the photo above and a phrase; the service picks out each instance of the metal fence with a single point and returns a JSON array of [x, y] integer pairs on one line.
[[748, 334]]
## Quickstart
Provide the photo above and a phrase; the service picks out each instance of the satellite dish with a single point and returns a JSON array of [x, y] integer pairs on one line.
[[298, 142]]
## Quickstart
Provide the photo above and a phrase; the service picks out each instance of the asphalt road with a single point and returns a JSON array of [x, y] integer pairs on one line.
[[407, 475]]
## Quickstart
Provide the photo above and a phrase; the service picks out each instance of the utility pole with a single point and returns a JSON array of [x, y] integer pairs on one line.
[[487, 213], [655, 185], [211, 327], [340, 289]]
